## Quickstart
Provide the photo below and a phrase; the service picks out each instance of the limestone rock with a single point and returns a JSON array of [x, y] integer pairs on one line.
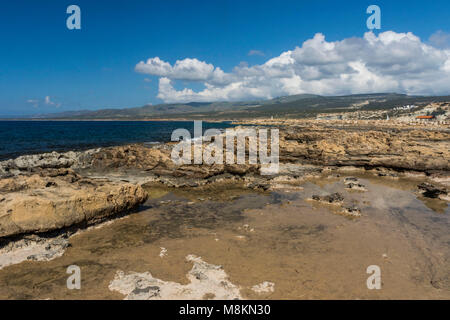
[[39, 204]]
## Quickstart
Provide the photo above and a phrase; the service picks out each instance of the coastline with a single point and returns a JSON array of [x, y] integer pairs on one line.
[[118, 120], [132, 178], [148, 156], [64, 136]]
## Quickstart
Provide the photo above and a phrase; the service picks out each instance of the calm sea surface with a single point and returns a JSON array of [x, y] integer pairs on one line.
[[28, 137]]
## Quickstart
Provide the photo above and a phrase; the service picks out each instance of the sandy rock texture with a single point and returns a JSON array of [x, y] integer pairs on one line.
[[400, 149], [59, 198], [51, 160]]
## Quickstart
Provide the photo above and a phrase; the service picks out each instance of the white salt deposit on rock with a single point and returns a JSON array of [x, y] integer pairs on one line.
[[163, 252], [33, 250], [264, 287], [205, 280]]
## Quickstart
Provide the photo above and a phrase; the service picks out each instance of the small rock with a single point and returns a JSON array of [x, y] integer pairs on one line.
[[331, 198], [352, 210], [431, 191], [355, 186]]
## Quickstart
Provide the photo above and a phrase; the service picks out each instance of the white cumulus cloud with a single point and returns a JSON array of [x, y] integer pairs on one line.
[[388, 62], [186, 69]]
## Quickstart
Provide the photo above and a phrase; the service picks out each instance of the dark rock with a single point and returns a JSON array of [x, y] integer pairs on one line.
[[352, 210], [331, 198], [431, 191]]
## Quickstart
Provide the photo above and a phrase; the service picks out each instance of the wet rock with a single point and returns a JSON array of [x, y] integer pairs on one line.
[[258, 185], [351, 210], [431, 191], [354, 184], [338, 199], [331, 198]]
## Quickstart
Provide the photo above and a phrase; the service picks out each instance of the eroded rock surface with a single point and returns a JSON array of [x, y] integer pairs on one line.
[[58, 198]]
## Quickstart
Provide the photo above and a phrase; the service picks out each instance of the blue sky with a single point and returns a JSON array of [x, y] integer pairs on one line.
[[94, 67]]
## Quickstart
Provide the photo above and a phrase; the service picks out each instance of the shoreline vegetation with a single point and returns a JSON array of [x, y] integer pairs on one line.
[[46, 199]]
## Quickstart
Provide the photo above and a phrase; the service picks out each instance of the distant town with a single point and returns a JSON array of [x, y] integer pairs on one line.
[[433, 112]]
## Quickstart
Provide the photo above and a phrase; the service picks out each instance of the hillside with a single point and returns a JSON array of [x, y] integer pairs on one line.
[[296, 106]]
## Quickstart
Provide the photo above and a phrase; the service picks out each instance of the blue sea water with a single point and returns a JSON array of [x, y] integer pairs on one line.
[[29, 137]]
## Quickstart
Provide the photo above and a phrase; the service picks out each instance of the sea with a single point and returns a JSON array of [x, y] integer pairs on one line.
[[31, 137]]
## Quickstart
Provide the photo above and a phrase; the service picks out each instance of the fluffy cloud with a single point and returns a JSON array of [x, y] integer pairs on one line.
[[389, 62], [187, 69]]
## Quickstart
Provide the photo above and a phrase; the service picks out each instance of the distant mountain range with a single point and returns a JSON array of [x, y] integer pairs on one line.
[[295, 106]]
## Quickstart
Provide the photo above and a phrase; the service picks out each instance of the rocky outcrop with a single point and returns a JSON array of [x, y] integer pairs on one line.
[[52, 160], [135, 156], [420, 150], [59, 199]]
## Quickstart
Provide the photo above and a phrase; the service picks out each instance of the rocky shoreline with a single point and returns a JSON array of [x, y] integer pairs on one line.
[[44, 193]]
